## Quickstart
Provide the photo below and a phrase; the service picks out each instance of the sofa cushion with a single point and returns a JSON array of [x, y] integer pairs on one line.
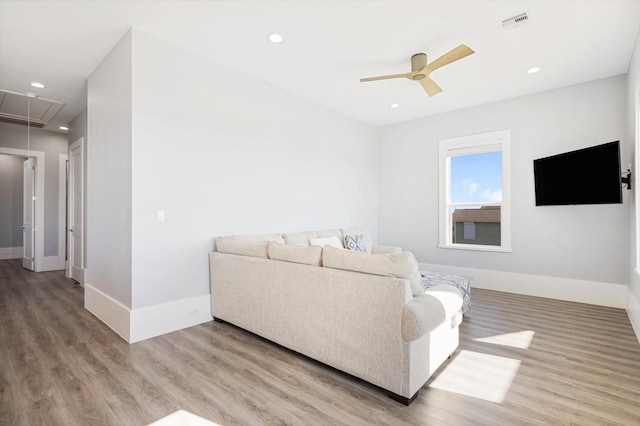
[[299, 238], [354, 232], [303, 238], [243, 247], [385, 249], [331, 233], [355, 243], [266, 237], [247, 245], [400, 265], [327, 241], [296, 254]]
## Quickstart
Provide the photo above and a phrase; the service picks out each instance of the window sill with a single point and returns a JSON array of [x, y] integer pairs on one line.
[[476, 247]]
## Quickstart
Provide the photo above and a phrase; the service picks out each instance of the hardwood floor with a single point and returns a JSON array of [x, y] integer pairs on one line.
[[522, 360]]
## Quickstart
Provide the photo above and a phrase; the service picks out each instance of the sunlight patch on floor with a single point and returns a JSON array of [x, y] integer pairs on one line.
[[183, 418], [519, 339], [478, 375]]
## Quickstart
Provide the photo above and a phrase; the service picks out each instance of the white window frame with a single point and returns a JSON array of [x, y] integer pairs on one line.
[[467, 145]]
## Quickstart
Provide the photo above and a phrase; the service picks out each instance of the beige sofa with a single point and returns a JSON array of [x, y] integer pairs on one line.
[[364, 314]]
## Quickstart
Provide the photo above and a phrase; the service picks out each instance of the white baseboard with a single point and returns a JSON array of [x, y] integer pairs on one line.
[[108, 310], [134, 325], [10, 253], [582, 291], [164, 318], [53, 263], [633, 310]]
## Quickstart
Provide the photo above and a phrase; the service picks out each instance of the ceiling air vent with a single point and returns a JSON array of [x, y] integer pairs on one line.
[[16, 108], [21, 121], [515, 21]]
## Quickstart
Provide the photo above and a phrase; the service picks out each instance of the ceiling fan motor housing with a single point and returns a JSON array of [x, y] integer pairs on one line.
[[418, 61]]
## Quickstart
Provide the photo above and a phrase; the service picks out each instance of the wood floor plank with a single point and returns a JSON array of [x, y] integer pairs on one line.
[[59, 365]]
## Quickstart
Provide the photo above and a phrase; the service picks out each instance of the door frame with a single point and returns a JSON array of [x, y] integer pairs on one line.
[[79, 143], [60, 260], [38, 157], [29, 214]]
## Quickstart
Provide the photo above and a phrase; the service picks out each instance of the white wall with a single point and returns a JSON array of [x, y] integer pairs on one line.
[[109, 178], [633, 135], [221, 153], [584, 243], [78, 127]]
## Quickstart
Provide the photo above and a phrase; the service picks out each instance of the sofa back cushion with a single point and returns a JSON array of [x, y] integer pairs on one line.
[[304, 238], [400, 265], [243, 247], [299, 238], [247, 245], [327, 241], [297, 254]]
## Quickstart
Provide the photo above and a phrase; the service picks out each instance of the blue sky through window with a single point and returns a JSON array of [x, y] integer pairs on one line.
[[476, 178]]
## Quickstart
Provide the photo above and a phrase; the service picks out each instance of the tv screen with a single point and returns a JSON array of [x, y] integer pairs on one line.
[[586, 176]]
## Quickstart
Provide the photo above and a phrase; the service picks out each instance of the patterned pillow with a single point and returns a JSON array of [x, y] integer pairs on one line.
[[355, 243]]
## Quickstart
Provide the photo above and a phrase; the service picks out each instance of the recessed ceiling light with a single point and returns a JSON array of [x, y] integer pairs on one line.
[[533, 70], [394, 105], [63, 128], [38, 85], [275, 38]]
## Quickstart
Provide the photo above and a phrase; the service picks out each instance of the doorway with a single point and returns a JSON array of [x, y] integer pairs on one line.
[[37, 157]]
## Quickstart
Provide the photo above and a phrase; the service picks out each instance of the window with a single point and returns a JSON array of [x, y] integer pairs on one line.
[[469, 232], [475, 192], [637, 193]]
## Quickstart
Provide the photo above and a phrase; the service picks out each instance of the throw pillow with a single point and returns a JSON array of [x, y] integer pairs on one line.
[[355, 243], [327, 241]]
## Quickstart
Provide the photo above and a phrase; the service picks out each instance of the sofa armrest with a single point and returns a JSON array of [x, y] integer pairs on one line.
[[420, 316], [424, 313], [385, 249]]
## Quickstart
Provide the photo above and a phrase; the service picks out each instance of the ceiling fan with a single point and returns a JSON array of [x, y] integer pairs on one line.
[[420, 70]]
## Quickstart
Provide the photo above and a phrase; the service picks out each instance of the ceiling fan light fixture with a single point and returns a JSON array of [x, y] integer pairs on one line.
[[275, 38], [38, 85], [534, 70]]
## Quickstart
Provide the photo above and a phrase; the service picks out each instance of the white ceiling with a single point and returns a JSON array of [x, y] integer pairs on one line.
[[329, 46]]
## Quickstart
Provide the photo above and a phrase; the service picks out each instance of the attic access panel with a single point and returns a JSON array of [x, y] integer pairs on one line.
[[17, 108]]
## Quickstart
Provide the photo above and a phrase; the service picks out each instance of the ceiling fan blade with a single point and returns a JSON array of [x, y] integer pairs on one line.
[[385, 77], [451, 56], [430, 86]]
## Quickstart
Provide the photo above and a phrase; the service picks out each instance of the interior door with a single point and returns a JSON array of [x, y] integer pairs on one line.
[[76, 211], [28, 210]]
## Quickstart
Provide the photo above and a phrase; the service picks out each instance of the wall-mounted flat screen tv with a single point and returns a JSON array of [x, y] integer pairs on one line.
[[586, 176]]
